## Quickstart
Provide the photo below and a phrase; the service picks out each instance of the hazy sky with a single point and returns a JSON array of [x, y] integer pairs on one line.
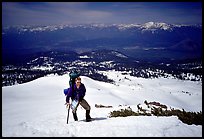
[[49, 13]]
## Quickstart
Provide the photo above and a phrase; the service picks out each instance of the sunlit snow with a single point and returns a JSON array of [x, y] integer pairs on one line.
[[37, 108]]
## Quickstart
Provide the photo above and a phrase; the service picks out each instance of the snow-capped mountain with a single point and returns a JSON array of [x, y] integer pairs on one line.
[[149, 26], [37, 108]]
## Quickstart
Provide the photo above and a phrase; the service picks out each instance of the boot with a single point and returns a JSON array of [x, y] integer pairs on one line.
[[88, 117], [75, 116]]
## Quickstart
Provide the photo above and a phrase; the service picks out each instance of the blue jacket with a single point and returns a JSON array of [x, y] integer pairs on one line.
[[77, 93]]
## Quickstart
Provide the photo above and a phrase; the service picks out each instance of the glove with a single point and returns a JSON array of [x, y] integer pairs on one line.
[[67, 105]]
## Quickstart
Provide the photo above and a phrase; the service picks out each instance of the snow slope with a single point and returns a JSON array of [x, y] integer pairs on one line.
[[37, 108]]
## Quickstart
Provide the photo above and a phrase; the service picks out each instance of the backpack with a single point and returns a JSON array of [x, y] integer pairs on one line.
[[66, 91], [73, 75]]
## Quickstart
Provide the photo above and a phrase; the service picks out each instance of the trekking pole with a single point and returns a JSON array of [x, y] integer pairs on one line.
[[68, 114]]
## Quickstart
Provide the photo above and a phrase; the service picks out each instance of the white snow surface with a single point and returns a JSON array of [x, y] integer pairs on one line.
[[37, 108]]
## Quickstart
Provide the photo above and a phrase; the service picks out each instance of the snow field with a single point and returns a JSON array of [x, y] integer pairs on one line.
[[37, 108]]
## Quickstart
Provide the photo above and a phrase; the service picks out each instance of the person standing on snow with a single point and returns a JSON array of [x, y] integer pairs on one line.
[[77, 92]]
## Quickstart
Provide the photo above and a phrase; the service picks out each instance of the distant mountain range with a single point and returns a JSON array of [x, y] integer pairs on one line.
[[151, 41], [149, 26]]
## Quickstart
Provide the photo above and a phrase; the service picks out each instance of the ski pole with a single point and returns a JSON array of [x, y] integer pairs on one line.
[[68, 114]]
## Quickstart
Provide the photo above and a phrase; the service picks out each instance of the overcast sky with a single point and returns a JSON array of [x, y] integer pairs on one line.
[[50, 13]]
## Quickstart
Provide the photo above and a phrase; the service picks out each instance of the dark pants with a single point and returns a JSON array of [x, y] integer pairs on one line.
[[86, 106]]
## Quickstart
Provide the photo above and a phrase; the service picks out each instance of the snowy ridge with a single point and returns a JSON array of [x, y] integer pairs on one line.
[[149, 26], [152, 26], [119, 54], [127, 26], [37, 108]]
